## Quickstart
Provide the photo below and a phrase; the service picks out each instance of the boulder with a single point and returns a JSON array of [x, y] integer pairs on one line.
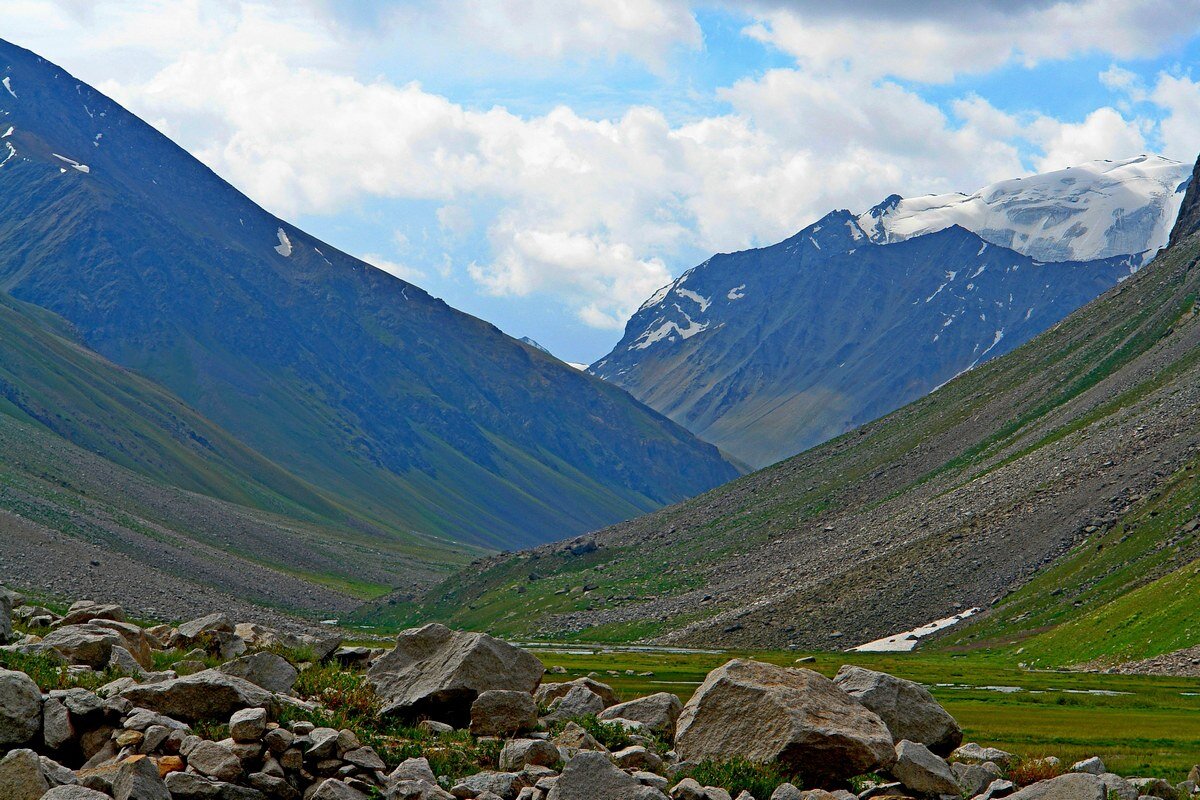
[[579, 702], [500, 784], [415, 769], [591, 776], [20, 709], [787, 791], [208, 695], [1001, 787], [548, 693], [188, 632], [972, 753], [437, 673], [1092, 766], [248, 725], [21, 776], [499, 712], [334, 789], [137, 779], [1072, 786], [1117, 788], [907, 708], [974, 778], [520, 753], [57, 728], [88, 610], [574, 737], [89, 644], [135, 640], [658, 712], [417, 790], [214, 760], [921, 771], [796, 717]]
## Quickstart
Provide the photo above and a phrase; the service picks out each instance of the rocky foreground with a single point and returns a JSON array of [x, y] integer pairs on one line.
[[93, 706]]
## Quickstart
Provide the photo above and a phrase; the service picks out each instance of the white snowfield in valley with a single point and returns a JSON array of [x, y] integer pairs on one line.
[[903, 642], [1091, 211]]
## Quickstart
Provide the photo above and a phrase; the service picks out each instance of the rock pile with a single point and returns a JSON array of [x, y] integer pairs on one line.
[[225, 723]]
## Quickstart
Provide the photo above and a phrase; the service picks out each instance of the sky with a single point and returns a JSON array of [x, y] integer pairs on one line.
[[547, 164]]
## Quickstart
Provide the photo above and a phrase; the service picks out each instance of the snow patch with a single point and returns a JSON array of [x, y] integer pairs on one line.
[[8, 85], [906, 641], [736, 293], [814, 243], [284, 248], [667, 331], [995, 341], [12, 151], [7, 133], [703, 302], [74, 164]]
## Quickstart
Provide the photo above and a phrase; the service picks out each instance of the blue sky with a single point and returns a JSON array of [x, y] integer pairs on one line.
[[546, 166]]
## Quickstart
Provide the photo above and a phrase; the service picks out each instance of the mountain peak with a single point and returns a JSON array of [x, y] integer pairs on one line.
[[1188, 221]]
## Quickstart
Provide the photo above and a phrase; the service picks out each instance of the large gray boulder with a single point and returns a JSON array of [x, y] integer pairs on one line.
[[1072, 786], [922, 771], [591, 776], [21, 776], [547, 693], [658, 712], [89, 644], [796, 717], [499, 712], [437, 673], [20, 709], [209, 695], [83, 611], [907, 708], [267, 670], [520, 753], [137, 779], [579, 702]]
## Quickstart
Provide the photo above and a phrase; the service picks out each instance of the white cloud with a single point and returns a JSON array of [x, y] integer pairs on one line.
[[401, 271], [1180, 130], [1103, 134], [935, 42]]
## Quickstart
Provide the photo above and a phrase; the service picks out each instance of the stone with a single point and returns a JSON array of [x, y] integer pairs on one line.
[[1155, 787], [6, 613], [688, 789], [795, 717], [520, 753], [418, 790], [591, 776], [974, 778], [998, 788], [21, 776], [787, 791], [190, 786], [501, 712], [214, 760], [137, 778], [504, 784], [74, 793], [658, 712], [169, 764], [548, 693], [574, 737], [20, 709], [191, 630], [364, 758], [88, 610], [56, 774], [435, 727], [267, 670], [337, 790], [209, 695], [57, 729], [1092, 766], [907, 708], [637, 757], [921, 771], [248, 725], [1072, 786], [1117, 788], [414, 769], [134, 640], [88, 644], [972, 753], [437, 673], [122, 661], [579, 702]]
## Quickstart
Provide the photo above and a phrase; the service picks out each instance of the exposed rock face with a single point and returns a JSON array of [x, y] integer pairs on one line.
[[907, 708], [207, 695], [499, 712], [796, 717], [591, 776], [20, 709], [436, 672], [1072, 786], [658, 712]]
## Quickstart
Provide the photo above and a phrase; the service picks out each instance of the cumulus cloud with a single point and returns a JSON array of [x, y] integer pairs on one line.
[[934, 42]]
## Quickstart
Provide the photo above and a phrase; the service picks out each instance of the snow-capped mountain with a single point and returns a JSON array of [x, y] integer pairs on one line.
[[1095, 210], [769, 351]]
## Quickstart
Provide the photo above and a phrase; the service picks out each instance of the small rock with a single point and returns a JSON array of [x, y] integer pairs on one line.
[[1092, 766], [214, 760], [137, 779], [922, 771], [248, 725]]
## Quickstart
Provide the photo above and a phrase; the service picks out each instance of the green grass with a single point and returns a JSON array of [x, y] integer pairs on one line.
[[1148, 730]]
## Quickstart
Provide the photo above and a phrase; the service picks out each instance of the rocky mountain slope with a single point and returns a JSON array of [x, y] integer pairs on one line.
[[769, 351], [429, 424], [1054, 488]]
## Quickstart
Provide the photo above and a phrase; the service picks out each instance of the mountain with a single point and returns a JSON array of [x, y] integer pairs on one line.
[[766, 352], [1055, 488], [410, 417]]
